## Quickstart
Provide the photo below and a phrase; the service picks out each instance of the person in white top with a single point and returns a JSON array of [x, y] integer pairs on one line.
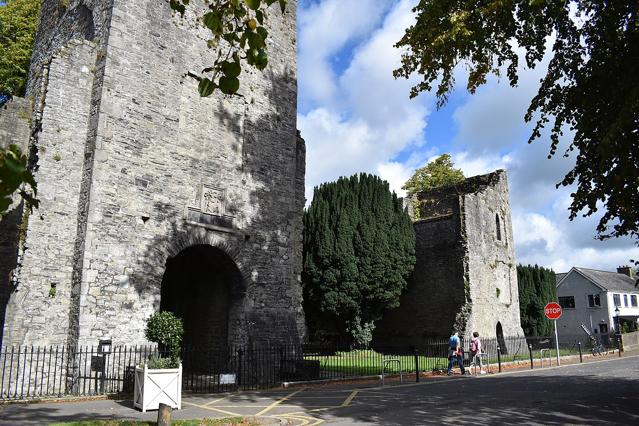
[[475, 351]]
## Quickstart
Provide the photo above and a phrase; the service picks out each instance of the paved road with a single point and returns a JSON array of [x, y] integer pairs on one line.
[[605, 392]]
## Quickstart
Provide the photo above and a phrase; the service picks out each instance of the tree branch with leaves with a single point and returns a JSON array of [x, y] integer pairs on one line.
[[591, 86], [239, 35]]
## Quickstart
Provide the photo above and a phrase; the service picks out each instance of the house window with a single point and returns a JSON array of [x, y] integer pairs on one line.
[[617, 299], [594, 301], [498, 227], [625, 300], [633, 301], [567, 302], [603, 328]]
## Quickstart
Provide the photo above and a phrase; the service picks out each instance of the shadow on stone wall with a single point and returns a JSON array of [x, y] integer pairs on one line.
[[9, 232], [276, 211]]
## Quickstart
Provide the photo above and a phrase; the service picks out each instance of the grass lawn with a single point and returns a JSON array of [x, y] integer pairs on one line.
[[229, 421], [369, 362]]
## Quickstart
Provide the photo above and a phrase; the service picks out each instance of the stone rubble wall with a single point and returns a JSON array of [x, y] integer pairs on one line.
[[491, 262], [15, 121], [459, 265], [37, 312], [148, 147]]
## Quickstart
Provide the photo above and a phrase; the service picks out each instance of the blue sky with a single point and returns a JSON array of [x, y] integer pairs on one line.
[[356, 117]]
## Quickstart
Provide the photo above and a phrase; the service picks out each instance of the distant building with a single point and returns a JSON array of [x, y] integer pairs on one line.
[[589, 297]]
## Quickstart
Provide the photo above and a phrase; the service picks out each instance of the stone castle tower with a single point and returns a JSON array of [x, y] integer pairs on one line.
[[152, 197], [465, 275]]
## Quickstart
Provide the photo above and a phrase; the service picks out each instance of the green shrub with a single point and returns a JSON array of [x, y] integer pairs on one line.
[[165, 329]]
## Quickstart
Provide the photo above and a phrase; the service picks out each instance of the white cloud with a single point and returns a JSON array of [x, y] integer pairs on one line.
[[325, 28], [369, 118]]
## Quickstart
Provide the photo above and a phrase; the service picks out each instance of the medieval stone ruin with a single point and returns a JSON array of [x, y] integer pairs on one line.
[[154, 198]]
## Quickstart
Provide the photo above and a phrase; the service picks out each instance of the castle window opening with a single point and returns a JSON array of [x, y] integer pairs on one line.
[[498, 227]]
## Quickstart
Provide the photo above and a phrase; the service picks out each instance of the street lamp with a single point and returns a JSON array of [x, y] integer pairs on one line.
[[618, 330]]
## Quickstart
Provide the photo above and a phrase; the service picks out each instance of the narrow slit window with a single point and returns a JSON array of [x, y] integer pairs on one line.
[[498, 227]]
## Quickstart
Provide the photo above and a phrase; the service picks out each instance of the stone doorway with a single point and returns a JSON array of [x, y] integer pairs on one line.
[[202, 285], [500, 339]]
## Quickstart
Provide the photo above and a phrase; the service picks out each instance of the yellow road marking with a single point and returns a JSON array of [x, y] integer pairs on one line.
[[204, 407], [214, 401], [278, 402], [348, 400]]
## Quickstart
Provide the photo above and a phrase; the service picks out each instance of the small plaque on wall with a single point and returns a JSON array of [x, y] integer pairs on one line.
[[210, 210]]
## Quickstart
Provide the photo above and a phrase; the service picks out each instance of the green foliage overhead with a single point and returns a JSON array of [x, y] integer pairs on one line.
[[537, 287], [238, 35], [359, 249], [439, 172], [15, 176], [591, 86], [165, 329], [18, 23]]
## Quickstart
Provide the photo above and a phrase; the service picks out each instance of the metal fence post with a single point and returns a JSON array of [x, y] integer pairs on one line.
[[581, 358], [416, 366], [499, 357], [239, 367], [531, 356]]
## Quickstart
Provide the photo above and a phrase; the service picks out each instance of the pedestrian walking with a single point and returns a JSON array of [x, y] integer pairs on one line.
[[455, 353], [476, 351]]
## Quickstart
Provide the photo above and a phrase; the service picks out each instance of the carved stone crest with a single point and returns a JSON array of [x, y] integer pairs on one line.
[[212, 201]]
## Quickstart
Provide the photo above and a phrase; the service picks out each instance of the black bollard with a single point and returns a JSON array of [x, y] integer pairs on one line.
[[531, 356], [416, 366], [581, 357], [619, 344], [499, 357]]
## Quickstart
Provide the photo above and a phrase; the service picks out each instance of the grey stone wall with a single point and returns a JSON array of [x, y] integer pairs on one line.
[[151, 152], [492, 268], [34, 314], [435, 290], [460, 264], [15, 120]]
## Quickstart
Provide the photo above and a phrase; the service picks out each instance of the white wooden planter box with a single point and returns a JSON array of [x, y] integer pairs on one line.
[[153, 387]]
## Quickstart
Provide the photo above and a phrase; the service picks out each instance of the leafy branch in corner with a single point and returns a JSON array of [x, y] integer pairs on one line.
[[14, 176], [238, 33]]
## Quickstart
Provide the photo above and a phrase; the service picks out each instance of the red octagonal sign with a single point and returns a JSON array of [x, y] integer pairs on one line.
[[552, 311]]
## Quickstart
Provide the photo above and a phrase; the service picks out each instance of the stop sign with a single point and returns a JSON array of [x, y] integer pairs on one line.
[[552, 311]]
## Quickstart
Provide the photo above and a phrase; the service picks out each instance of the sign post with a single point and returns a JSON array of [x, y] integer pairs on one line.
[[553, 311]]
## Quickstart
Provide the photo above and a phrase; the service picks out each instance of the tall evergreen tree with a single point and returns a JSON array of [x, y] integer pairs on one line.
[[359, 249], [537, 287]]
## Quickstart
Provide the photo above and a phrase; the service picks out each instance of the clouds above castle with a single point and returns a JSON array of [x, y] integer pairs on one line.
[[356, 117]]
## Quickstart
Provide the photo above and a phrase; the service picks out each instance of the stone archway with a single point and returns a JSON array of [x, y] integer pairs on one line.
[[203, 286]]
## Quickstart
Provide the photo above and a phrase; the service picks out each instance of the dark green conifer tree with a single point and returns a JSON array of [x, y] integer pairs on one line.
[[359, 249], [537, 287]]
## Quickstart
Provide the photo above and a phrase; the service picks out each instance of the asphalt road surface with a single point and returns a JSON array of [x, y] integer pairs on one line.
[[602, 392]]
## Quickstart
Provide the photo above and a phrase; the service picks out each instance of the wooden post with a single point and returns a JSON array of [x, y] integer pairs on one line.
[[164, 415]]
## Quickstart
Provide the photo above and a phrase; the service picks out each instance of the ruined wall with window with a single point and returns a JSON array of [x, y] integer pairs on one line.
[[465, 277]]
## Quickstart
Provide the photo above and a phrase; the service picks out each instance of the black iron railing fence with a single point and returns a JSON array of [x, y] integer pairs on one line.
[[56, 371]]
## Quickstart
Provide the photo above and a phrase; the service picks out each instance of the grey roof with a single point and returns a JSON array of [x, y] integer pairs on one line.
[[559, 276], [611, 281]]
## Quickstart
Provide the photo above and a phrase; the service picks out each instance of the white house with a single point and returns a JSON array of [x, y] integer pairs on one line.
[[589, 297]]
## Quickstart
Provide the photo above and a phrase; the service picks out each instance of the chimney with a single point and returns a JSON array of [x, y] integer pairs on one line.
[[626, 270]]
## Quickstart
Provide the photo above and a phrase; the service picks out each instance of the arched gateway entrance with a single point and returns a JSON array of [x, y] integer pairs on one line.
[[201, 285]]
